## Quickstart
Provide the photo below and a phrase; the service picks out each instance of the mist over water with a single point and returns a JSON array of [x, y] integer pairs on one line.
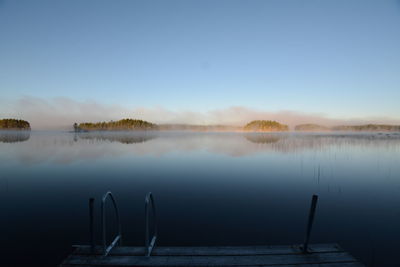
[[60, 114], [261, 182]]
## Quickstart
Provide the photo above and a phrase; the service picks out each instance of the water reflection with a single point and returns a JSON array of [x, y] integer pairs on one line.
[[289, 143], [121, 137], [217, 182], [263, 138], [14, 136], [66, 148]]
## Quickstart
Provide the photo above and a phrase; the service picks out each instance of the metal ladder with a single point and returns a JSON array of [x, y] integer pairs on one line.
[[149, 244]]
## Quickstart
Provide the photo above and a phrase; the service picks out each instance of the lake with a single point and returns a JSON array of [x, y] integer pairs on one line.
[[209, 188]]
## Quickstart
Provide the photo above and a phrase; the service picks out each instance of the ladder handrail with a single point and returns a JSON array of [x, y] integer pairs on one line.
[[150, 244], [118, 238]]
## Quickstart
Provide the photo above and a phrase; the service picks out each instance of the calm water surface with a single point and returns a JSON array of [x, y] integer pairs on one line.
[[210, 189]]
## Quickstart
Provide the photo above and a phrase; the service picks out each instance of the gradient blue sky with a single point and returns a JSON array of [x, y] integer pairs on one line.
[[339, 57]]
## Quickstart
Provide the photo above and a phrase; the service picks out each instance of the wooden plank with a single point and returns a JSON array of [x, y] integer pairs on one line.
[[209, 251], [341, 264], [267, 260]]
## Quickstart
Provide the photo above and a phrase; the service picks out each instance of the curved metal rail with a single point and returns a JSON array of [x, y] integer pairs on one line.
[[118, 238], [150, 244]]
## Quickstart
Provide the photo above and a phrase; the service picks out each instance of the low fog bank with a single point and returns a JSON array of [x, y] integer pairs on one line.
[[44, 147], [61, 113]]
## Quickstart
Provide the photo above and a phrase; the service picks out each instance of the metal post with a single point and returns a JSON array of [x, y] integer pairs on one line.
[[91, 224], [150, 243], [310, 222]]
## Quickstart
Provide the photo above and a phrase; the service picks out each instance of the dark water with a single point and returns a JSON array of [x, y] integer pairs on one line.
[[210, 189]]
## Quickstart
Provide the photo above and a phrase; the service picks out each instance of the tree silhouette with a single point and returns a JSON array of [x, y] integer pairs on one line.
[[265, 126], [13, 124], [125, 124]]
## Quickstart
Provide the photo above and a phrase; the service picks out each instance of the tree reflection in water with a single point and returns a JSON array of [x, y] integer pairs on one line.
[[263, 138], [121, 137], [14, 136]]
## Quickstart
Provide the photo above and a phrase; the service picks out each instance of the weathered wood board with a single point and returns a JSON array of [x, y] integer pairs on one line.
[[324, 255]]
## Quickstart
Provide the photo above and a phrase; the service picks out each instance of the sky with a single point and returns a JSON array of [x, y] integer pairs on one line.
[[185, 61]]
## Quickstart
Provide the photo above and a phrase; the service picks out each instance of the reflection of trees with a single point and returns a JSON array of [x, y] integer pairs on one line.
[[262, 138], [288, 143], [94, 145], [121, 137], [14, 136]]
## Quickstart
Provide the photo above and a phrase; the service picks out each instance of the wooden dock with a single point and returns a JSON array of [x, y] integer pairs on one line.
[[323, 255], [113, 254]]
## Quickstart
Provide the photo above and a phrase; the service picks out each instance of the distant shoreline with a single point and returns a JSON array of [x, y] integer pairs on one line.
[[256, 126]]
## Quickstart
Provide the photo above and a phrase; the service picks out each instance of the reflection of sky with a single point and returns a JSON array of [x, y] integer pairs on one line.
[[210, 188]]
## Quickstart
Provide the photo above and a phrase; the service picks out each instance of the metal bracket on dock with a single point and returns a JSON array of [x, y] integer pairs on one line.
[[310, 222], [118, 238], [150, 244], [91, 225]]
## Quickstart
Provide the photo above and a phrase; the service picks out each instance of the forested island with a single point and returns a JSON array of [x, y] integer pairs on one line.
[[134, 124], [265, 126], [253, 126], [124, 125], [13, 124]]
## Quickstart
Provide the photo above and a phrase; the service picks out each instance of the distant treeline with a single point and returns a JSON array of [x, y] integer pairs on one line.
[[253, 126], [13, 124], [133, 124], [125, 124], [358, 128]]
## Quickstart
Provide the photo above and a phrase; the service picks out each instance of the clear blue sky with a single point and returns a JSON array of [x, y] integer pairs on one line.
[[339, 57]]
